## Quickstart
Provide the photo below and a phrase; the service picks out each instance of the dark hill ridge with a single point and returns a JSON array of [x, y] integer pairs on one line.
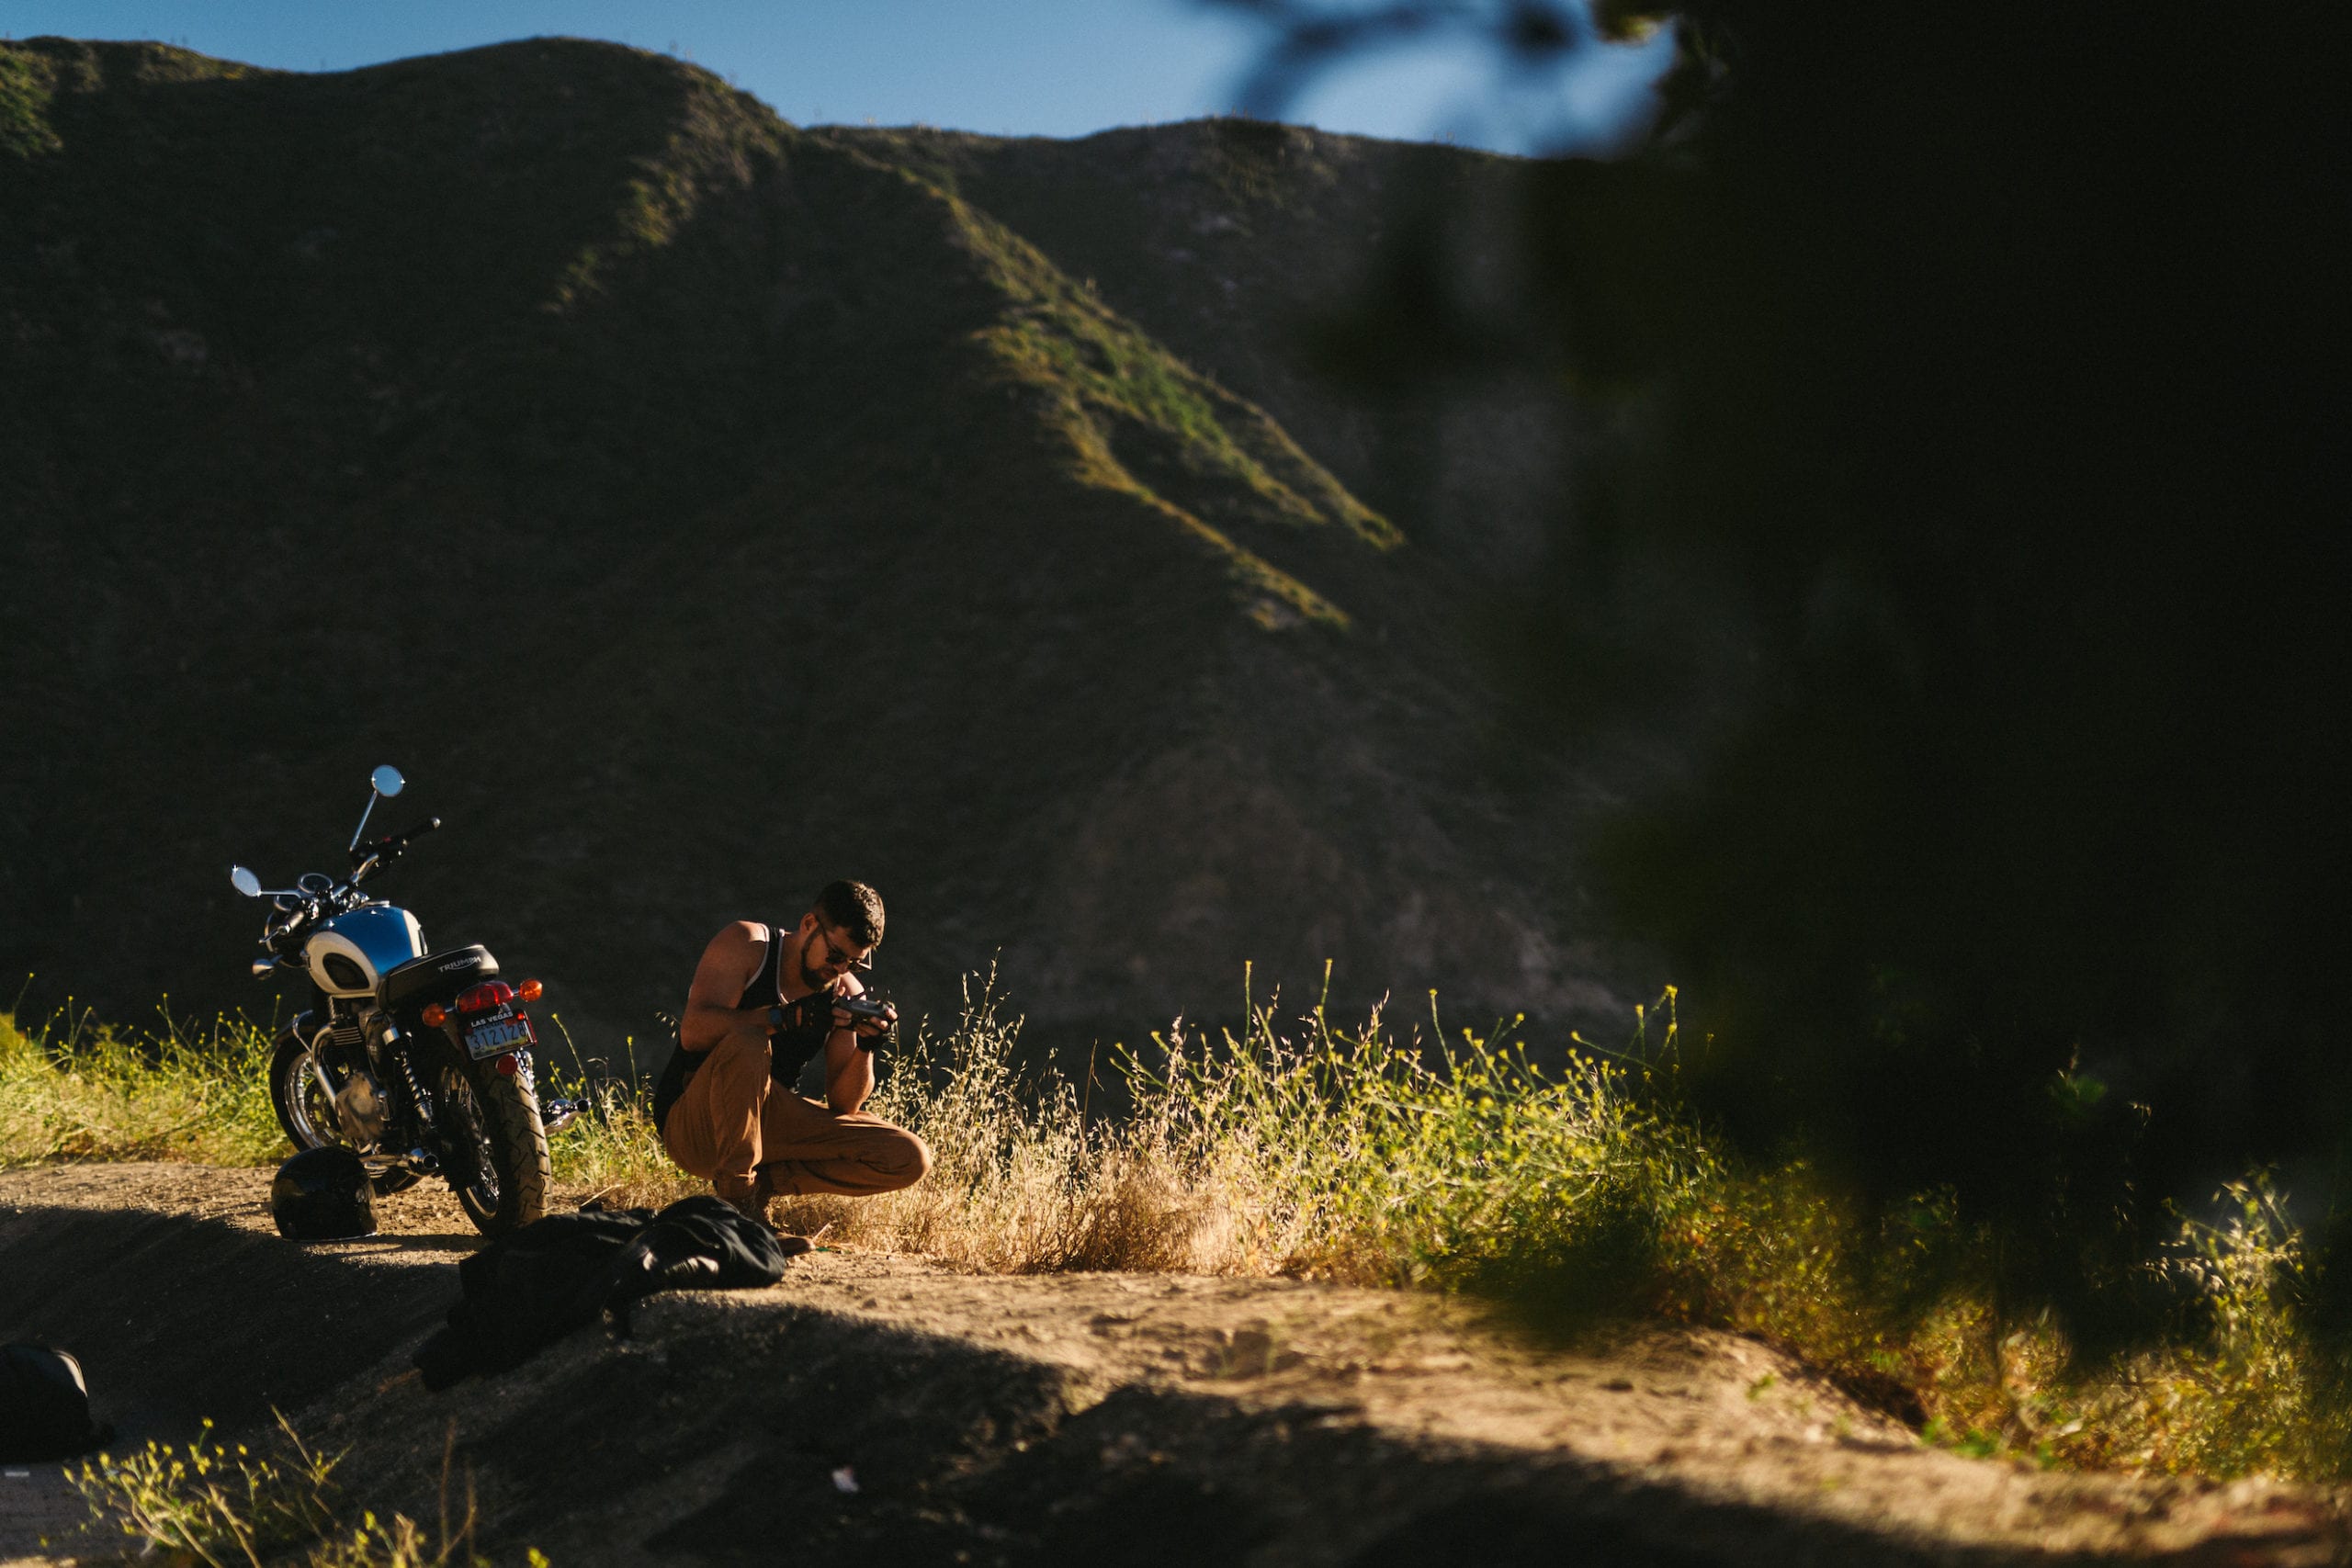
[[697, 507]]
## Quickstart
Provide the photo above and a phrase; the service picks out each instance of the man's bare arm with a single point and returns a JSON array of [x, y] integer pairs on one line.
[[728, 964], [849, 1071]]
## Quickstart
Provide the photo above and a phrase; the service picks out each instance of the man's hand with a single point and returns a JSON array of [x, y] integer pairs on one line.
[[870, 1019]]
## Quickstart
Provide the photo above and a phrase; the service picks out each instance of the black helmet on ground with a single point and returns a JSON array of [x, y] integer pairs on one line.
[[44, 1406], [323, 1195]]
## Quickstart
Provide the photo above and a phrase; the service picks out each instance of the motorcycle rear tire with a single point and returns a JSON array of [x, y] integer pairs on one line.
[[494, 1145], [308, 1125]]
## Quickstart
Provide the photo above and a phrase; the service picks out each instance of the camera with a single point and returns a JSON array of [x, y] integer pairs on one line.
[[862, 1006]]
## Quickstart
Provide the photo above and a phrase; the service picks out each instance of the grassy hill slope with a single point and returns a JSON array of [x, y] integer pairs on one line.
[[696, 508]]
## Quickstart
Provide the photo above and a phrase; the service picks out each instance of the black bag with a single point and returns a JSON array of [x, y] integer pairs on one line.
[[526, 1291], [44, 1406]]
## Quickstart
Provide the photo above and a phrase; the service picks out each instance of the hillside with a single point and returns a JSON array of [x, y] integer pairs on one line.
[[697, 507]]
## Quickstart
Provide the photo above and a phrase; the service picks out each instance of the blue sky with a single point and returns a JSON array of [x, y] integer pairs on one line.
[[1027, 67]]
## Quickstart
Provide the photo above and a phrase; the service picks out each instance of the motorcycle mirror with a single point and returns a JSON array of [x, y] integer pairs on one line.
[[387, 782], [244, 881]]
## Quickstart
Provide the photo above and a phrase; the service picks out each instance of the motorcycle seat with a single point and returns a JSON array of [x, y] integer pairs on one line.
[[436, 977]]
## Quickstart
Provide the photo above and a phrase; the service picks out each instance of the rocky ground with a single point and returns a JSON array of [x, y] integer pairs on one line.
[[875, 1405]]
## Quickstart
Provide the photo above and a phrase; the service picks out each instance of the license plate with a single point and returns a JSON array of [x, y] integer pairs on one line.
[[496, 1035]]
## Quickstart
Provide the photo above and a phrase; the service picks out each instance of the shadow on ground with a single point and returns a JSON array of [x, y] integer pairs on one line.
[[176, 1317], [758, 1427]]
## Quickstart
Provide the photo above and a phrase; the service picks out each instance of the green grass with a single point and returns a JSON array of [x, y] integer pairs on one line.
[[71, 1090], [1358, 1155], [27, 84], [222, 1506]]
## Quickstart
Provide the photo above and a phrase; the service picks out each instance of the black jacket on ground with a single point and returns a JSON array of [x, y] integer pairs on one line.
[[524, 1291]]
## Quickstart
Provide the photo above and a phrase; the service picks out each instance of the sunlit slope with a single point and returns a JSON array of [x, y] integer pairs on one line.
[[696, 508], [1235, 242]]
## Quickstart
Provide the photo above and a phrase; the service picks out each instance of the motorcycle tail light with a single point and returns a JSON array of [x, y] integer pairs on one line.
[[529, 990], [482, 997], [508, 1065], [436, 1015]]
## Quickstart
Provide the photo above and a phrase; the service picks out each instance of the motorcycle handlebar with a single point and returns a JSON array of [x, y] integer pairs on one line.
[[377, 853], [295, 908], [393, 843]]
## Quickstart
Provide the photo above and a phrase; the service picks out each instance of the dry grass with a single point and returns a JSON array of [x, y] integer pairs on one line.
[[1020, 1181], [1355, 1156], [1362, 1155], [1338, 1155]]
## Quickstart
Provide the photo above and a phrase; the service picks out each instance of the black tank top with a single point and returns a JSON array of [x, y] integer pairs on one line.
[[787, 1051]]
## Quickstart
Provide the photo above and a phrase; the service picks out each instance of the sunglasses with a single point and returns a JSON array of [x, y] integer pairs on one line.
[[835, 958]]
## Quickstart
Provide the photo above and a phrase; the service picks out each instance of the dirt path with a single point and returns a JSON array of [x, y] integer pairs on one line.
[[1109, 1419]]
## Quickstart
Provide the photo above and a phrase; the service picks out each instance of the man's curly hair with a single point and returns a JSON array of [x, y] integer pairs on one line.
[[852, 908]]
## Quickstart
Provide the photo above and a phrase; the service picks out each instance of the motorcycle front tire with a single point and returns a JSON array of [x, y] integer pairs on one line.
[[494, 1145], [307, 1114]]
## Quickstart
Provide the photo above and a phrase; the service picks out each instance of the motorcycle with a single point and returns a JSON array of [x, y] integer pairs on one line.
[[419, 1061]]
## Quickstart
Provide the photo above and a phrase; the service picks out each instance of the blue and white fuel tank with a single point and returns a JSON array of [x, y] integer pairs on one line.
[[349, 953]]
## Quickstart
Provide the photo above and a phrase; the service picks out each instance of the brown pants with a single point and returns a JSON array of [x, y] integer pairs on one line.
[[752, 1135]]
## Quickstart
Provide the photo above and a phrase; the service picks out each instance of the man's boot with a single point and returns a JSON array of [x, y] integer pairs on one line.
[[753, 1206]]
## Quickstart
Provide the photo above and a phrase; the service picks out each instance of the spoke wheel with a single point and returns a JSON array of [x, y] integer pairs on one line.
[[306, 1107], [494, 1150]]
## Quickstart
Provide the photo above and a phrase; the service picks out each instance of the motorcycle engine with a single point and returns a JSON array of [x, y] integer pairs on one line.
[[360, 1107]]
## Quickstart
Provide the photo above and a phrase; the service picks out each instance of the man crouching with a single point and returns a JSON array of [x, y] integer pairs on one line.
[[726, 1105]]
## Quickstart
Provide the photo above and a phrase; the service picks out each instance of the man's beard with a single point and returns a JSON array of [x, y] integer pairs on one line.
[[808, 976]]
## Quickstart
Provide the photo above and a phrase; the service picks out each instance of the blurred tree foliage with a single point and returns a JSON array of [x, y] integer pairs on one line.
[[1980, 370]]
